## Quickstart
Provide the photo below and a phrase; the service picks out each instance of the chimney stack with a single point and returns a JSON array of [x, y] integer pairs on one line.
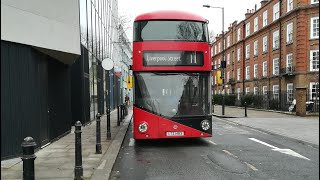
[[263, 3], [248, 13]]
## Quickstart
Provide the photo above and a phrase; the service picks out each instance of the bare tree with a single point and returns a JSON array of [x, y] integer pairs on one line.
[[124, 21], [212, 36]]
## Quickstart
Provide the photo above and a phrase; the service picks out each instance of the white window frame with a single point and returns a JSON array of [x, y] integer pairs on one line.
[[255, 90], [276, 12], [247, 90], [289, 5], [312, 84], [228, 41], [275, 91], [238, 54], [255, 71], [312, 60], [275, 40], [265, 69], [247, 72], [215, 79], [314, 1], [219, 46], [265, 90], [248, 51], [265, 18], [314, 34], [238, 74], [239, 34], [255, 48], [275, 67], [265, 44], [290, 92], [289, 63], [228, 76], [256, 24], [247, 29], [290, 33], [238, 93], [215, 49], [228, 58]]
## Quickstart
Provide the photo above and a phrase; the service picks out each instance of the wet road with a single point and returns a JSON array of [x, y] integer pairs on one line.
[[234, 152]]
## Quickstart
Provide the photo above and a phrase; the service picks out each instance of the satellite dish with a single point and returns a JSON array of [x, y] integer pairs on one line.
[[107, 64]]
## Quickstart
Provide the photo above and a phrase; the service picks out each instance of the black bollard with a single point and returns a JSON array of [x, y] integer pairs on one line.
[[120, 112], [118, 116], [108, 124], [28, 158], [98, 135], [123, 111], [245, 109], [78, 170]]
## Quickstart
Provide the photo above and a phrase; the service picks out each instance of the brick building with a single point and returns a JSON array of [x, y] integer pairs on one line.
[[273, 51]]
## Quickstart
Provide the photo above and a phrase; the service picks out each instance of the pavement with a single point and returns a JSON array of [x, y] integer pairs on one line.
[[302, 129], [57, 160]]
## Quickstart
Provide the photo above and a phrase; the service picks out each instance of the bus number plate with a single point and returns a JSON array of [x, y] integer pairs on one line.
[[175, 134]]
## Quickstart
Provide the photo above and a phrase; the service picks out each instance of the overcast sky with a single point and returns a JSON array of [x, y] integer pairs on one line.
[[234, 10]]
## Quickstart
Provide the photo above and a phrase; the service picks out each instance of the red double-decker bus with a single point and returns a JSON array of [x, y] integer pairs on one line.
[[171, 69]]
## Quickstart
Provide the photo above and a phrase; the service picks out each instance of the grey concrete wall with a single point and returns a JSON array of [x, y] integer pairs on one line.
[[49, 24]]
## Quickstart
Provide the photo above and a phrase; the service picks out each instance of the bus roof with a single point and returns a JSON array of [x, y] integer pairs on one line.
[[169, 15]]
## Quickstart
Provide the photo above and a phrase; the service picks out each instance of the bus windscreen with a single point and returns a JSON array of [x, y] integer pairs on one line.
[[170, 31], [172, 94]]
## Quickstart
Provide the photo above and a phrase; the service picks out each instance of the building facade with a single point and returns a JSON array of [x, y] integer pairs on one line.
[[273, 51], [51, 68], [40, 40]]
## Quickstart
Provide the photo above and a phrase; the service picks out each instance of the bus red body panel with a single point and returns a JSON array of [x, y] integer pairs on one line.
[[159, 126], [171, 65], [169, 15]]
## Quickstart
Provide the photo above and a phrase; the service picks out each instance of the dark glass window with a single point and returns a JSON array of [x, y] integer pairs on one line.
[[173, 94], [170, 31]]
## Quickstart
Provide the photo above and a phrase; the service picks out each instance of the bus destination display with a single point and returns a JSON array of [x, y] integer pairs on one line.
[[173, 58]]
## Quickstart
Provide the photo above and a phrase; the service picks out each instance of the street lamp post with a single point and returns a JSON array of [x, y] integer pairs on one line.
[[107, 64], [223, 62]]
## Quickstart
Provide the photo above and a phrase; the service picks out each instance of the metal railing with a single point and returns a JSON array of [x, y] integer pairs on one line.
[[288, 70], [280, 101]]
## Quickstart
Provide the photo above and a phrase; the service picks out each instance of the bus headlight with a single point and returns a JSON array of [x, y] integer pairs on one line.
[[143, 127], [205, 124]]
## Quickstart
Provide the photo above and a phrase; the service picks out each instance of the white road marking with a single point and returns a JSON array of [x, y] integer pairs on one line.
[[229, 153], [212, 142], [101, 166], [251, 167], [261, 142], [284, 151], [131, 143]]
